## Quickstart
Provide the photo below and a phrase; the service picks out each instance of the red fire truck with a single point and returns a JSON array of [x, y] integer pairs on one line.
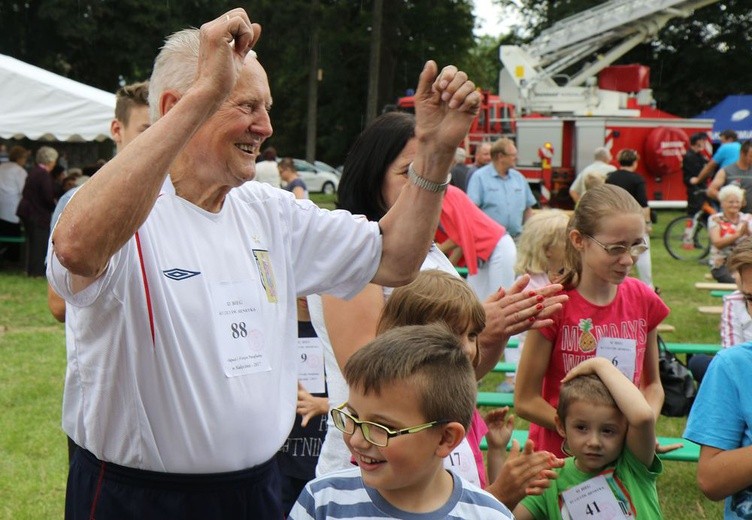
[[558, 121]]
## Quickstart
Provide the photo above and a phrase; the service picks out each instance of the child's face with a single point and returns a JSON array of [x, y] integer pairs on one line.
[[555, 256], [409, 463], [469, 340], [595, 434], [626, 230]]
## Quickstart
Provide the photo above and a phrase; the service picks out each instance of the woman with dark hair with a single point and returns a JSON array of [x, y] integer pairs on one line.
[[361, 186], [374, 173]]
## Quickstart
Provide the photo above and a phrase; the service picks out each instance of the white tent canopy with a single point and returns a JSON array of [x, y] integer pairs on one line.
[[40, 105]]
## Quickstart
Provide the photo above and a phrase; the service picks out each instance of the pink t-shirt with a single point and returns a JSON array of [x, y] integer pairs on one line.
[[634, 312], [475, 433]]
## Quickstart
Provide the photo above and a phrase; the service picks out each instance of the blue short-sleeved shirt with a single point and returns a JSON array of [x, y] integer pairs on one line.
[[504, 199], [727, 153], [721, 416]]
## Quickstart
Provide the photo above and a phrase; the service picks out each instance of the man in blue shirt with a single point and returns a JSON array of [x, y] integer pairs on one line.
[[727, 153], [501, 191]]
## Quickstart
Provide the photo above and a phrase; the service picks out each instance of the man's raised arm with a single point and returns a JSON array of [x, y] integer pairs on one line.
[[445, 106], [111, 207]]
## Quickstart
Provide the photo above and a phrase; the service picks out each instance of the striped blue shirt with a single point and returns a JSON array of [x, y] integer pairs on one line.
[[344, 495]]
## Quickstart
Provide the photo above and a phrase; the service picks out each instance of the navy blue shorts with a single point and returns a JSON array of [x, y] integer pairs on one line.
[[103, 491]]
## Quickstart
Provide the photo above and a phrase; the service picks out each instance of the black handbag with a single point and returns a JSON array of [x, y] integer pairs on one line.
[[678, 384]]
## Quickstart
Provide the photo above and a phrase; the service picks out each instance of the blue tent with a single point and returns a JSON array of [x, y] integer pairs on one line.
[[733, 113]]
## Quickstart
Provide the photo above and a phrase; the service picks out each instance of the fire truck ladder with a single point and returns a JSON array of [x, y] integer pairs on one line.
[[617, 25], [630, 22]]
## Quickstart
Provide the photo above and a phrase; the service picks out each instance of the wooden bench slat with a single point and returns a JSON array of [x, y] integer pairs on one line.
[[690, 452], [710, 309], [715, 286]]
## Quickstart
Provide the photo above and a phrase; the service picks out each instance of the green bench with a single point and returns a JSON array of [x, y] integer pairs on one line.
[[495, 399], [676, 348], [462, 271], [690, 452], [12, 240], [720, 294]]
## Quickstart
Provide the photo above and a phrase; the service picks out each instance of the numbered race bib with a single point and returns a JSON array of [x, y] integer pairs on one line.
[[621, 352], [311, 365], [593, 500], [238, 327], [462, 462]]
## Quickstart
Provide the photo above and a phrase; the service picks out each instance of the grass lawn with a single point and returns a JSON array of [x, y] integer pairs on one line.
[[33, 453]]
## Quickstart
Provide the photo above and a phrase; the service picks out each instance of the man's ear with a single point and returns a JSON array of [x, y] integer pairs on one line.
[[116, 131], [167, 100], [451, 435], [560, 426]]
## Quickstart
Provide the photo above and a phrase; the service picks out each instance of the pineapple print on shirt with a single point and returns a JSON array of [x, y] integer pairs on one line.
[[587, 341]]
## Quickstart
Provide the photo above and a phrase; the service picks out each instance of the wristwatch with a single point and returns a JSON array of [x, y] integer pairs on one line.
[[423, 183]]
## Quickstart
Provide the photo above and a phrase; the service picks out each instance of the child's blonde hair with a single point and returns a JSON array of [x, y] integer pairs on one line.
[[593, 179], [545, 230], [595, 205], [588, 388], [434, 296]]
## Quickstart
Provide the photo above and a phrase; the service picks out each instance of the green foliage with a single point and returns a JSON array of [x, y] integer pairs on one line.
[[101, 42]]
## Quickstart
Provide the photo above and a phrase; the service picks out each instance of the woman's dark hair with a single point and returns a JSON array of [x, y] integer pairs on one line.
[[366, 164]]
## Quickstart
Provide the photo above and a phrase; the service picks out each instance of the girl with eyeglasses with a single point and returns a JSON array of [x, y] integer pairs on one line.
[[608, 313]]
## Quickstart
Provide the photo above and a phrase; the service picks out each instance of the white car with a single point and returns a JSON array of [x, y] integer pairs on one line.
[[321, 165], [316, 179]]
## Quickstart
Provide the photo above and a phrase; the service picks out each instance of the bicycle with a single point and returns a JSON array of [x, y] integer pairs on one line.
[[686, 237]]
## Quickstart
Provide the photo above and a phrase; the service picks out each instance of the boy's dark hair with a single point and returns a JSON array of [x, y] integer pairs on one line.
[[589, 389], [129, 97], [430, 359], [627, 157], [746, 145], [697, 137], [729, 135]]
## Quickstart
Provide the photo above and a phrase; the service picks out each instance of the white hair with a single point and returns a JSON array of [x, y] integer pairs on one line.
[[602, 154], [175, 67], [46, 154], [729, 190]]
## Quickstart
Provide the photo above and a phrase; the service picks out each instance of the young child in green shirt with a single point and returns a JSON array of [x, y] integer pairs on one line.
[[609, 429]]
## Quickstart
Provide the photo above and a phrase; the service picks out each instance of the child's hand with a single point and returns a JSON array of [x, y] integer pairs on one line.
[[589, 366], [310, 406], [525, 472], [665, 448], [500, 427]]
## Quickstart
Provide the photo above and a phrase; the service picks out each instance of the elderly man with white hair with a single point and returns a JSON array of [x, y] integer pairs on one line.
[[181, 280], [601, 166]]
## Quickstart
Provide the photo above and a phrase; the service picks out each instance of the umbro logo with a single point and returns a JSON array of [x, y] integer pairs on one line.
[[180, 274]]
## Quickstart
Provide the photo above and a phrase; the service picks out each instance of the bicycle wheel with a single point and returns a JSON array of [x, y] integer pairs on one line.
[[684, 242]]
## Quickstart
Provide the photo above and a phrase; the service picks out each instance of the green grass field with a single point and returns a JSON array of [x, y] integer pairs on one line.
[[33, 449]]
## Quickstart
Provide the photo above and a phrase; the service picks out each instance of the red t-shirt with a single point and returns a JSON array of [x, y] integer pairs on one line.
[[635, 311]]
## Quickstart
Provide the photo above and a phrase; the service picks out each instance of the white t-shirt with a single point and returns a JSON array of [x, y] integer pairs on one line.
[[334, 454], [12, 180], [182, 355], [268, 173], [598, 167]]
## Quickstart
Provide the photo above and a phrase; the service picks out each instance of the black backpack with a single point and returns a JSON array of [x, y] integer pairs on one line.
[[678, 384]]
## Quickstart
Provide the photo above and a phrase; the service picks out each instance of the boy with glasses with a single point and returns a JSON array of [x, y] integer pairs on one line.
[[412, 392]]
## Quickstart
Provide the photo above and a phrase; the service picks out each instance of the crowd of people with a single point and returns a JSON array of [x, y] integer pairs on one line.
[[234, 351]]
